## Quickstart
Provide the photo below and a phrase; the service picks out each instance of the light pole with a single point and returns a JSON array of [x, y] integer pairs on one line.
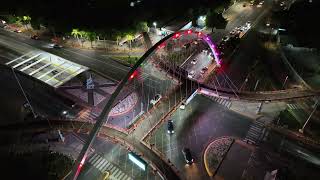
[[284, 82], [24, 94], [155, 25], [305, 124]]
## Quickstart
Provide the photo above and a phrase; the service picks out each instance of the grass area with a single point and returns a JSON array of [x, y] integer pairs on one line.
[[39, 164], [129, 60], [287, 119]]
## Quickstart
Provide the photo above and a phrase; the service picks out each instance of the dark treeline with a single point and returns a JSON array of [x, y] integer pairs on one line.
[[106, 15], [302, 21]]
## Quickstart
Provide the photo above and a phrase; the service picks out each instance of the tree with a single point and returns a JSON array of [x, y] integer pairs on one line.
[[76, 33], [129, 37], [25, 20], [142, 26], [215, 20], [91, 36]]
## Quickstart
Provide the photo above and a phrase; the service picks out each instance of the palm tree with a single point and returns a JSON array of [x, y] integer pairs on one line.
[[76, 34], [83, 36]]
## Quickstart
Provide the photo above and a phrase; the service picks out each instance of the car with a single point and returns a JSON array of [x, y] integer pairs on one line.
[[233, 32], [35, 37], [194, 61], [57, 46], [191, 74], [187, 155], [17, 31], [203, 70], [170, 127], [260, 4], [156, 99], [225, 38], [183, 106]]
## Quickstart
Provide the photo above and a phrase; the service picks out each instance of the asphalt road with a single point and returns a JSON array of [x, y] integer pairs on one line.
[[203, 120], [92, 59]]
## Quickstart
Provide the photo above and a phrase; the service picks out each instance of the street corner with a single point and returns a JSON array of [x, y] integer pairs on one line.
[[215, 153], [125, 105]]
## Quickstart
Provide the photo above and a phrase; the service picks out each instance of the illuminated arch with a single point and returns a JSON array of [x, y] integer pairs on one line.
[[107, 108]]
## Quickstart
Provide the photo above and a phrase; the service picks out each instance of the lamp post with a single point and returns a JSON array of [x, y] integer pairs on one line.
[[305, 124], [155, 25], [284, 82]]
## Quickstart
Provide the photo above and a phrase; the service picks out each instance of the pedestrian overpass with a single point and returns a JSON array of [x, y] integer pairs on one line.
[[46, 67]]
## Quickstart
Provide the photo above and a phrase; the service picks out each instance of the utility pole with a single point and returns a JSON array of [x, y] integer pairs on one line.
[[255, 87], [24, 94], [305, 124], [284, 82]]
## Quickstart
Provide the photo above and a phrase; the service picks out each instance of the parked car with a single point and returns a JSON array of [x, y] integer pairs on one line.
[[156, 99], [170, 127], [187, 155]]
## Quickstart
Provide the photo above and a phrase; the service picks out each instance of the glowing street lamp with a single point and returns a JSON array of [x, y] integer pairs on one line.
[[155, 25]]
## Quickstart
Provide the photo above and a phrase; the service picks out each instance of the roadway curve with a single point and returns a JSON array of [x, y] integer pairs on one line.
[[105, 132]]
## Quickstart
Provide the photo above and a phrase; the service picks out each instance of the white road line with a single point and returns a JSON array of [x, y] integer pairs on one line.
[[96, 159], [92, 157], [103, 165], [97, 162], [100, 164]]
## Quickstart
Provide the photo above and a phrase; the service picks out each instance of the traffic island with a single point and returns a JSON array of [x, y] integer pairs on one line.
[[215, 153]]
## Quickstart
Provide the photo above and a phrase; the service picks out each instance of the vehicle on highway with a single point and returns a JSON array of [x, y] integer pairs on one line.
[[35, 37], [57, 46], [187, 155], [225, 38], [233, 32], [191, 74], [156, 99], [17, 31], [194, 61], [170, 128], [260, 4], [282, 3], [248, 24], [183, 106], [203, 70]]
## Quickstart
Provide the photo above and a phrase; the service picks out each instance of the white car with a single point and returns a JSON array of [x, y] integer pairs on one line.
[[194, 61], [191, 74], [260, 4], [156, 99], [182, 106]]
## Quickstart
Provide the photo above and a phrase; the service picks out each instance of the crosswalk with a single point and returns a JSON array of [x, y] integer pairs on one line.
[[223, 102], [257, 128], [104, 165], [294, 106]]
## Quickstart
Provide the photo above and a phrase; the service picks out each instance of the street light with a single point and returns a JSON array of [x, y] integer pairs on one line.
[[155, 25], [305, 124]]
